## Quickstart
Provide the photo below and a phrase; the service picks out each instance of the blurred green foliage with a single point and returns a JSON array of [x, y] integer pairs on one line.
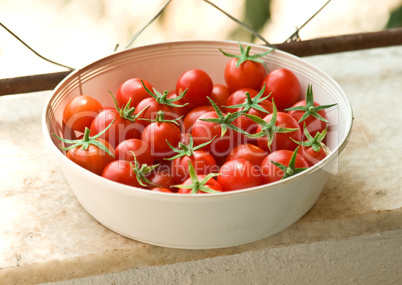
[[256, 14], [395, 19]]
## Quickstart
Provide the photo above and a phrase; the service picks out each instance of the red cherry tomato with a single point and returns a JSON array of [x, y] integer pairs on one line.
[[220, 94], [313, 157], [248, 74], [203, 132], [162, 177], [240, 97], [93, 158], [152, 107], [134, 90], [121, 171], [281, 140], [313, 124], [141, 150], [193, 115], [199, 86], [211, 184], [239, 174], [271, 173], [284, 87], [80, 112], [202, 161], [156, 134], [120, 130], [249, 152]]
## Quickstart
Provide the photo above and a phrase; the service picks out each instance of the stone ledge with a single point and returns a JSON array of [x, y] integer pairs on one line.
[[47, 236]]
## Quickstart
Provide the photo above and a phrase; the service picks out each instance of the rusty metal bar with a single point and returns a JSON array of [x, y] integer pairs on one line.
[[318, 46], [31, 83]]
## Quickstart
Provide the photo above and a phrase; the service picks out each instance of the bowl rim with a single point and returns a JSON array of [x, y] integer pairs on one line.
[[130, 190]]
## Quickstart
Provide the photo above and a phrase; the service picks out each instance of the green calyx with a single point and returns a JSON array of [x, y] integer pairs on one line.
[[141, 171], [226, 121], [268, 129], [245, 55], [163, 99], [252, 103], [198, 185], [310, 109], [125, 111], [86, 141], [314, 142], [160, 118], [186, 150], [289, 170]]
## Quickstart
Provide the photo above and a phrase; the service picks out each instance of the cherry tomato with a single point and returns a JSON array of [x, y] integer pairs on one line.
[[80, 111], [240, 97], [152, 107], [121, 171], [284, 87], [134, 90], [220, 94], [249, 152], [203, 162], [244, 71], [313, 157], [203, 132], [162, 177], [183, 111], [238, 174], [199, 86], [141, 150], [281, 140], [93, 158], [271, 173], [313, 124], [248, 75], [193, 115], [211, 184], [156, 134], [120, 130]]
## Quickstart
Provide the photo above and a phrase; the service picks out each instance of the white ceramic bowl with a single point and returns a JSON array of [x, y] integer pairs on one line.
[[194, 221]]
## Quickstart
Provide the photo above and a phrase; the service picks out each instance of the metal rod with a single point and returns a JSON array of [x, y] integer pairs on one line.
[[295, 35], [31, 83], [243, 25], [32, 50], [157, 14], [335, 44], [318, 46]]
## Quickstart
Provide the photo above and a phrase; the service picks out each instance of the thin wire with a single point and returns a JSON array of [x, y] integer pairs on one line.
[[248, 28], [148, 23], [295, 35], [31, 49]]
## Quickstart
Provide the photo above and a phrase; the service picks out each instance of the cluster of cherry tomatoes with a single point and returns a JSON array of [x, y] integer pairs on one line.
[[202, 137]]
